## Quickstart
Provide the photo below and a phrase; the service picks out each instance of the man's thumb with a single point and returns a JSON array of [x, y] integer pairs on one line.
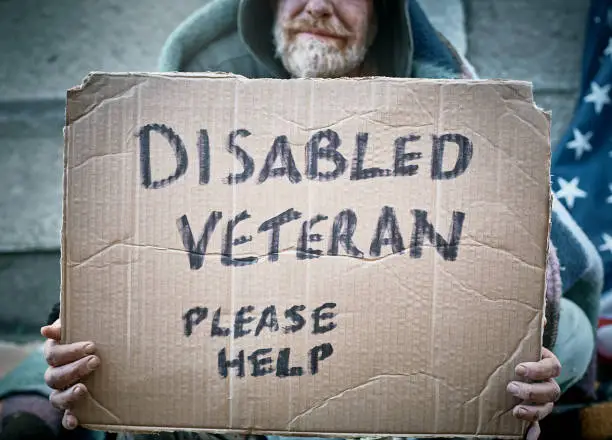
[[53, 331]]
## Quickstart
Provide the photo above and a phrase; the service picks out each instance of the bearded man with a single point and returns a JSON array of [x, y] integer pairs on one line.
[[349, 38]]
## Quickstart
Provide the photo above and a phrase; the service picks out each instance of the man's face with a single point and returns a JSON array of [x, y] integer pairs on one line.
[[323, 38]]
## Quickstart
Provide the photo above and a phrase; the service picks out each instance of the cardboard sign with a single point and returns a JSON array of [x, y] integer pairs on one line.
[[314, 257]]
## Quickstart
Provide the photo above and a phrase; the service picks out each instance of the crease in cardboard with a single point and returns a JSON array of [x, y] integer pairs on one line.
[[420, 104], [287, 251], [510, 160], [481, 295], [104, 92], [396, 125], [369, 382], [324, 127], [530, 124], [507, 210], [516, 88], [506, 252], [103, 250], [489, 381], [95, 157], [434, 294], [230, 342], [102, 408]]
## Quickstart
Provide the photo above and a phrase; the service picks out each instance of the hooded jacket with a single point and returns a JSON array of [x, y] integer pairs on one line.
[[236, 36]]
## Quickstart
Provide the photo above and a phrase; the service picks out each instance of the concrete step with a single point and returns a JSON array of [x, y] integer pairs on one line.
[[31, 162], [29, 287], [562, 105], [539, 41], [47, 47]]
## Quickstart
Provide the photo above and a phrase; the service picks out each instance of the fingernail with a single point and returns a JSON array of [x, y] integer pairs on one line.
[[93, 363], [79, 391], [71, 423], [521, 370], [513, 388], [521, 411], [89, 348]]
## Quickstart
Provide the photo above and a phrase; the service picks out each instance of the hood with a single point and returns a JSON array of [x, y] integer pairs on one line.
[[392, 47], [406, 44]]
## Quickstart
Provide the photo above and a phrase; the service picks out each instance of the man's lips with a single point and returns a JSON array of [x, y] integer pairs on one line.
[[320, 34]]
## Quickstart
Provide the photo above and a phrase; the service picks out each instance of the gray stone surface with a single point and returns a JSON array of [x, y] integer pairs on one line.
[[47, 46], [562, 106], [31, 162], [29, 286], [539, 41]]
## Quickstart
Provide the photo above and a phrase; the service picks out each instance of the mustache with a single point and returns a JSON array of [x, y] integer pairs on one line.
[[317, 26]]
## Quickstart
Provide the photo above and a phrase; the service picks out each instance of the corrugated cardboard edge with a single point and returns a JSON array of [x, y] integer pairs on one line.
[[97, 81], [548, 115], [147, 430]]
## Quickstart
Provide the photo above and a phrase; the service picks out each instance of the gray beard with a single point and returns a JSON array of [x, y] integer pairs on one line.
[[316, 59]]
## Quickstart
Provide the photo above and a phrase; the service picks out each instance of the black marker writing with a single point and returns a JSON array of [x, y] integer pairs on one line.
[[274, 225], [448, 249], [281, 149], [342, 233], [204, 153], [196, 252], [247, 161], [314, 152], [229, 243], [466, 150], [358, 173], [387, 233], [303, 251], [178, 147], [401, 157]]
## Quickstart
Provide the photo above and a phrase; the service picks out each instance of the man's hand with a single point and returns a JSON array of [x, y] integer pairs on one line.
[[539, 396], [68, 365]]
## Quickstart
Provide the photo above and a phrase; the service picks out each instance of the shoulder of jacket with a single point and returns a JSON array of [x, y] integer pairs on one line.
[[226, 54], [467, 69], [203, 28]]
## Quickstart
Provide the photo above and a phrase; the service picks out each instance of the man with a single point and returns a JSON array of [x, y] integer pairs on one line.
[[322, 38]]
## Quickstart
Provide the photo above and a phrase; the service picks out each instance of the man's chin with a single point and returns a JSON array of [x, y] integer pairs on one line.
[[319, 65], [301, 71]]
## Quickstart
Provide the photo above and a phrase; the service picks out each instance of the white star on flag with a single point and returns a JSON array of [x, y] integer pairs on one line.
[[570, 191], [580, 143], [608, 51], [609, 199], [598, 96], [607, 246]]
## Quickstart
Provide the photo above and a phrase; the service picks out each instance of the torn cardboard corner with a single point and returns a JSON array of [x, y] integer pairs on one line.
[[314, 257]]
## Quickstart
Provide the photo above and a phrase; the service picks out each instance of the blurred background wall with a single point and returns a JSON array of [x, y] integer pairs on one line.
[[47, 46]]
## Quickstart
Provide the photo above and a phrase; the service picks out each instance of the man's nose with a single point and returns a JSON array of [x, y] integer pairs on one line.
[[319, 8]]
